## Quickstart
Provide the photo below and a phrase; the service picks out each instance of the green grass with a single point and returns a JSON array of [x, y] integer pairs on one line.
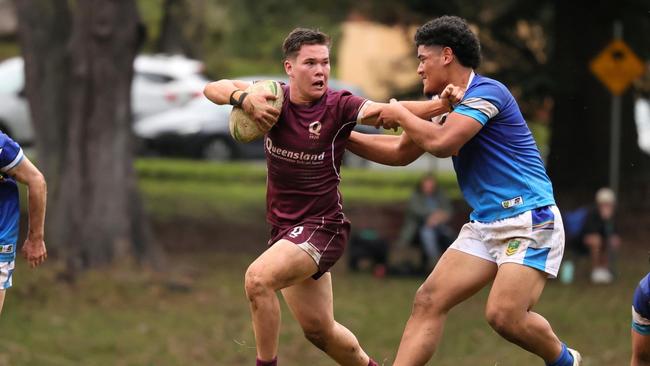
[[198, 189], [195, 313]]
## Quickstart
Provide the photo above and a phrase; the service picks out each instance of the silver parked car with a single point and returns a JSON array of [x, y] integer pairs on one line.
[[160, 83]]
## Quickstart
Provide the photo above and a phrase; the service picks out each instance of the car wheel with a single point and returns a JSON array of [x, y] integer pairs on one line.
[[218, 149]]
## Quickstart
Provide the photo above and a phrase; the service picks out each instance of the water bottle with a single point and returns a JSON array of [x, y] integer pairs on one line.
[[566, 272]]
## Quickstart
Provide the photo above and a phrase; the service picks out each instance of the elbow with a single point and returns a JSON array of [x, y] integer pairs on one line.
[[37, 182], [440, 149], [402, 161]]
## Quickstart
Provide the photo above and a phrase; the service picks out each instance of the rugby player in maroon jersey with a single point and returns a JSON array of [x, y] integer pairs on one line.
[[309, 231]]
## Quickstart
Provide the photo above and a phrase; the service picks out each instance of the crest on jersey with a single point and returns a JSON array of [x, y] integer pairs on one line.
[[513, 245], [314, 130]]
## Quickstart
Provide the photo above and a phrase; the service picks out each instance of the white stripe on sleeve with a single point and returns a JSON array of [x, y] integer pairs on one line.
[[15, 162], [481, 105]]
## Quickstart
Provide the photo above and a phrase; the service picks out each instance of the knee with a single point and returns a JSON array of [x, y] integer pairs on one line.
[[428, 301], [503, 319], [593, 241], [255, 283], [318, 334], [642, 357]]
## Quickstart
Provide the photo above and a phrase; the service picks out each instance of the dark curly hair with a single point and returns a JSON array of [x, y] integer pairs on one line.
[[452, 32], [302, 36]]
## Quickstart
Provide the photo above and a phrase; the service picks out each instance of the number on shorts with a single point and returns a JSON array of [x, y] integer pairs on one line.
[[296, 231]]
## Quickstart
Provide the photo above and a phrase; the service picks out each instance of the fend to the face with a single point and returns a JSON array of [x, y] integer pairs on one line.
[[309, 71]]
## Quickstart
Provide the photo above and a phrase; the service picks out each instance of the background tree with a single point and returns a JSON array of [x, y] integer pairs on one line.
[[79, 65], [183, 28]]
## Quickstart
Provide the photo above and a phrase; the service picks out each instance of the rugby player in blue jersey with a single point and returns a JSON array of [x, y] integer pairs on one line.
[[14, 166], [515, 236], [641, 324]]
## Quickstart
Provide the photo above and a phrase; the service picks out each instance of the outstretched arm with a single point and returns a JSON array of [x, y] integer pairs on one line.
[[441, 140], [34, 247], [425, 109], [384, 149]]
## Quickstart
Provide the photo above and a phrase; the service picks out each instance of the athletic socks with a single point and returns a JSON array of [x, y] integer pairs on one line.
[[565, 358], [273, 362]]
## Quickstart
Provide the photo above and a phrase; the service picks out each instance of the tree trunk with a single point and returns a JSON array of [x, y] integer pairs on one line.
[[580, 142], [87, 147], [182, 27]]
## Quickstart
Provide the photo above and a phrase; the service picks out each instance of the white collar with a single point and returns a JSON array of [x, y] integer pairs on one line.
[[471, 77], [469, 82]]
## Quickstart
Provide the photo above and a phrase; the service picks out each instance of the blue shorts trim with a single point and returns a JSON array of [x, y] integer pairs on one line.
[[536, 258], [641, 329]]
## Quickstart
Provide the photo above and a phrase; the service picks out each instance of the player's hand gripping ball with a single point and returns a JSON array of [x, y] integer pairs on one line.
[[243, 126]]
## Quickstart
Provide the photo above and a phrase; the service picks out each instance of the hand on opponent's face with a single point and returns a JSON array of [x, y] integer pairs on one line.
[[256, 106]]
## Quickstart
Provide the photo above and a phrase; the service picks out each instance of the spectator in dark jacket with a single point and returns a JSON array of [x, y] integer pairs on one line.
[[600, 236]]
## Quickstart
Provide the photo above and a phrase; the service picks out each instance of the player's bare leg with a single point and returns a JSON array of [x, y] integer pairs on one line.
[[2, 299], [312, 305], [640, 349], [456, 277], [516, 290], [282, 265]]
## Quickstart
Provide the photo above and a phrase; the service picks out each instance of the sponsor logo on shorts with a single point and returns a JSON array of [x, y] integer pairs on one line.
[[314, 130], [512, 202], [9, 248], [296, 231], [513, 246]]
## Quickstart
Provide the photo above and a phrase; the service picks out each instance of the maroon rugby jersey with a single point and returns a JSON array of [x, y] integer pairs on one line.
[[303, 155]]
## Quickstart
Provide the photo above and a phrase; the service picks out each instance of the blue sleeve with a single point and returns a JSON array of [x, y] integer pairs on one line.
[[482, 102], [641, 301], [10, 153]]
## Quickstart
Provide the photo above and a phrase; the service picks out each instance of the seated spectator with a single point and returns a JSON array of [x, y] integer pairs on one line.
[[367, 244], [600, 238], [425, 223]]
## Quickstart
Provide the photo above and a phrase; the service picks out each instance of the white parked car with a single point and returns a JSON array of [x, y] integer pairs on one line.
[[196, 130], [160, 83], [15, 120]]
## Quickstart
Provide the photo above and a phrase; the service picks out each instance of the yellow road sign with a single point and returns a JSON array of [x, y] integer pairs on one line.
[[617, 66]]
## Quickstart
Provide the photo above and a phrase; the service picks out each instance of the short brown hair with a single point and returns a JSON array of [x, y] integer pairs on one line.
[[302, 36]]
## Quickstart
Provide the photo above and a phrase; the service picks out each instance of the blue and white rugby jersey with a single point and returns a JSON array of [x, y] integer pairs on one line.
[[10, 155], [500, 171]]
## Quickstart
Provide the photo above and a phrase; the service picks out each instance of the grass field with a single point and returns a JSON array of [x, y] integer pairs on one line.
[[196, 314], [199, 189]]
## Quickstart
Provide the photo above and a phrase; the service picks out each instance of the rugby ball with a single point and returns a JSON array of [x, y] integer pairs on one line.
[[242, 127]]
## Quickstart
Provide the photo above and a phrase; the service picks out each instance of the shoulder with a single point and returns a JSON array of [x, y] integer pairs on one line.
[[335, 97], [484, 99], [488, 89], [10, 153]]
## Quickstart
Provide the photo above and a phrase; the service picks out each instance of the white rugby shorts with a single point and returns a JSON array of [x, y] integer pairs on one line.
[[534, 238]]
